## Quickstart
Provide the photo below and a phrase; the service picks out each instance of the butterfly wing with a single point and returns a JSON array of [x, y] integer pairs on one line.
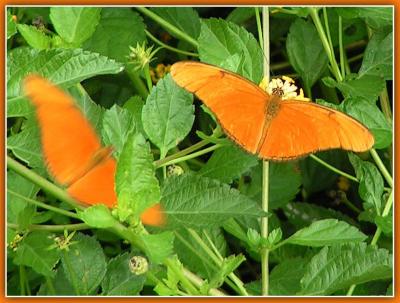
[[68, 140], [238, 104], [301, 128]]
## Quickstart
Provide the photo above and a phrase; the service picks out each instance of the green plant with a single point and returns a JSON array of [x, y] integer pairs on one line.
[[327, 227]]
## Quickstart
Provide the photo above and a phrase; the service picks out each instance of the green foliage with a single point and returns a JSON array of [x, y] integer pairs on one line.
[[302, 41], [327, 235]]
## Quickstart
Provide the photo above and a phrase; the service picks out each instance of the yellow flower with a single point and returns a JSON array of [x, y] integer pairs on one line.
[[283, 87]]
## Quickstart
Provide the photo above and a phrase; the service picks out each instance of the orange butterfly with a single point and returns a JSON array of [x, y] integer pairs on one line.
[[72, 149], [264, 124]]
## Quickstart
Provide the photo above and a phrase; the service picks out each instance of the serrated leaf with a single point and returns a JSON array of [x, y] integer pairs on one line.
[[302, 214], [11, 25], [186, 19], [34, 251], [228, 163], [198, 202], [306, 52], [370, 115], [75, 24], [326, 232], [135, 105], [119, 280], [193, 255], [340, 266], [84, 264], [168, 114], [98, 216], [366, 87], [370, 185], [158, 247], [117, 125], [240, 14], [375, 17], [64, 67], [19, 211], [378, 56], [118, 29], [220, 39], [285, 277], [34, 37], [136, 185]]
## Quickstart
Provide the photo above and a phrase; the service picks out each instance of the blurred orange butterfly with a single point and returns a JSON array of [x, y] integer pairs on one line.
[[264, 124], [72, 149]]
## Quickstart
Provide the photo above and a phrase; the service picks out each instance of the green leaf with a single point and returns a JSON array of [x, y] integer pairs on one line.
[[326, 232], [370, 185], [375, 17], [302, 214], [75, 24], [168, 114], [136, 185], [34, 37], [18, 210], [64, 67], [11, 25], [193, 255], [306, 52], [285, 181], [340, 266], [60, 285], [228, 163], [220, 40], [186, 19], [135, 105], [84, 264], [227, 266], [385, 223], [26, 145], [378, 56], [285, 277], [117, 125], [366, 87], [198, 202], [240, 15], [119, 280], [158, 246], [118, 29], [98, 216], [34, 251], [370, 115]]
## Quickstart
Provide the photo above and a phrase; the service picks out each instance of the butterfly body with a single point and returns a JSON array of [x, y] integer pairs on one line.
[[266, 125]]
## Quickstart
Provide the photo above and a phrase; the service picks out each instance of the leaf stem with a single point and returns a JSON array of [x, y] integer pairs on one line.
[[42, 182], [44, 205], [137, 82], [381, 167], [259, 27], [265, 177], [331, 56], [146, 71], [186, 283], [334, 169], [53, 228], [168, 26], [341, 48], [190, 156], [171, 48]]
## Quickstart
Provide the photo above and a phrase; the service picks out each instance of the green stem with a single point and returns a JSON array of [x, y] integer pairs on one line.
[[334, 169], [44, 205], [47, 186], [168, 26], [22, 277], [198, 282], [186, 283], [53, 228], [341, 48], [176, 50], [137, 82], [265, 179], [325, 43], [50, 286], [381, 167], [146, 70], [259, 27], [190, 156], [385, 104]]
